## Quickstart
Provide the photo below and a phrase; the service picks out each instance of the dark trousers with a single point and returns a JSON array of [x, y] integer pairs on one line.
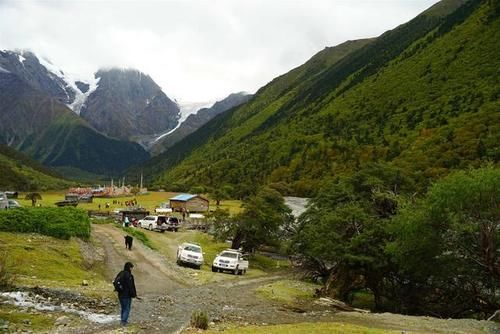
[[125, 304]]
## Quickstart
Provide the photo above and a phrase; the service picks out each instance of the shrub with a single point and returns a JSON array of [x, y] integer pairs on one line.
[[61, 223], [199, 319]]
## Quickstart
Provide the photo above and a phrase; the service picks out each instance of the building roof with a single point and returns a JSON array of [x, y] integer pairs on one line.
[[183, 197]]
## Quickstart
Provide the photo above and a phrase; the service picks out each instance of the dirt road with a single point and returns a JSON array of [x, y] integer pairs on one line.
[[169, 297]]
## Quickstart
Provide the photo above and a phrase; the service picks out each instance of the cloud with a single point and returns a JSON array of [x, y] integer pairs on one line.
[[195, 50]]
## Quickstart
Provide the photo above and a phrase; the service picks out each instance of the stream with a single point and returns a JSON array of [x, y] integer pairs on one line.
[[40, 303]]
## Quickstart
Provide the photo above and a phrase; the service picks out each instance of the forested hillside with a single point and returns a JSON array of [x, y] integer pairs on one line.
[[20, 173], [417, 102]]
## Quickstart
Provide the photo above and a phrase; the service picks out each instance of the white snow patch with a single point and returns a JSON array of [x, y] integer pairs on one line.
[[54, 70], [192, 108], [21, 58], [3, 70], [80, 97], [24, 299], [186, 109], [50, 67]]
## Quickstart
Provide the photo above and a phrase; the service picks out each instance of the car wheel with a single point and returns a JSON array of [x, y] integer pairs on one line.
[[244, 271], [140, 225], [162, 231], [214, 270], [150, 227], [178, 262]]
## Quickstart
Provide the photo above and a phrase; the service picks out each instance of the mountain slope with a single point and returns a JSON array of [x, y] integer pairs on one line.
[[262, 100], [418, 101], [129, 103], [20, 173], [28, 67], [194, 121], [44, 128]]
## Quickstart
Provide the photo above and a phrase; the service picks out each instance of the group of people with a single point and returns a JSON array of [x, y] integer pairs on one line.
[[128, 223]]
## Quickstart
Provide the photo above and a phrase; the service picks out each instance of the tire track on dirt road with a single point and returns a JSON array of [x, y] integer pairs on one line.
[[153, 274]]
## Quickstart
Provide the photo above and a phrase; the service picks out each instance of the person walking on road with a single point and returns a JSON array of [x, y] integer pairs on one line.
[[125, 286], [128, 242]]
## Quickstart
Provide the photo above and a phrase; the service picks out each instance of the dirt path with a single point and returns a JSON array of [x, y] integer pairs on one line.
[[153, 274]]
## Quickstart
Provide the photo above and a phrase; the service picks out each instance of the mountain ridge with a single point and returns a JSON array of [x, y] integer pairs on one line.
[[294, 134]]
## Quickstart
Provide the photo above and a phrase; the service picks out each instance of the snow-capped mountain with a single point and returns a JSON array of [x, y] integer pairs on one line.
[[47, 77], [121, 103], [128, 104], [35, 119]]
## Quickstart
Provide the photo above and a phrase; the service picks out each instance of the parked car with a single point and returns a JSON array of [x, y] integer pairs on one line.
[[4, 202], [157, 223], [190, 253], [231, 260], [172, 224], [14, 204]]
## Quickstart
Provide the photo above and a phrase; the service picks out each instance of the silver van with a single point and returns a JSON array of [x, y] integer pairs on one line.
[[4, 202]]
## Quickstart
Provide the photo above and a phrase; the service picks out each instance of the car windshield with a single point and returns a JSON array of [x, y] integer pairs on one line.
[[230, 255], [192, 248]]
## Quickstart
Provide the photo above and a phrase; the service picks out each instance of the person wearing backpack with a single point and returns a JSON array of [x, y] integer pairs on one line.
[[125, 286]]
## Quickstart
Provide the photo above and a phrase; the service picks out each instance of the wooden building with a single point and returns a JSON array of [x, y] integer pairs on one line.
[[189, 203]]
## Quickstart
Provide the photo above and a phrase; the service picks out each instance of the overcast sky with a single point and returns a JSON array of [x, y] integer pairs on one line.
[[195, 50]]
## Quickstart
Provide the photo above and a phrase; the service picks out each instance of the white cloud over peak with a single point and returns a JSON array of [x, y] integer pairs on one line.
[[195, 50]]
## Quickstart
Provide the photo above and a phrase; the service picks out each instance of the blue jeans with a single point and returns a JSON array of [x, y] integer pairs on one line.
[[125, 304]]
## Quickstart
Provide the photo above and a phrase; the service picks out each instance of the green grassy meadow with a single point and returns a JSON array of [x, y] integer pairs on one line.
[[299, 328], [39, 260], [288, 292], [150, 201]]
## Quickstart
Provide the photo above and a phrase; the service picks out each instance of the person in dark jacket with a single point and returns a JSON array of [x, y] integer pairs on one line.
[[127, 292], [128, 242]]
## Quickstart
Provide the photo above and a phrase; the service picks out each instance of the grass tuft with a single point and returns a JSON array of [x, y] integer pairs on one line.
[[199, 319]]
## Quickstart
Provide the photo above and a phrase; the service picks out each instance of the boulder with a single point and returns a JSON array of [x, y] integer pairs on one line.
[[62, 321]]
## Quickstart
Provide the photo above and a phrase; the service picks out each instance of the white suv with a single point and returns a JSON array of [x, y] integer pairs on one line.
[[157, 223], [189, 253], [231, 260]]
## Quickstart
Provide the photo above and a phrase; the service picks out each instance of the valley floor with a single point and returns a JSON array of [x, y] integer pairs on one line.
[[171, 293]]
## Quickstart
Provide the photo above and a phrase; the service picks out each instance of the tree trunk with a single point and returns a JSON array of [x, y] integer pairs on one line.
[[238, 238], [341, 282]]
